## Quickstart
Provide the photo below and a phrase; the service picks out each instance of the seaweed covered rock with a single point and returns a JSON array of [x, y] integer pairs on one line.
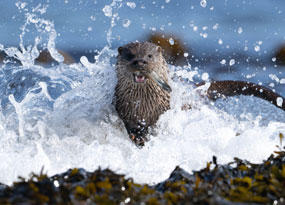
[[76, 186], [239, 182]]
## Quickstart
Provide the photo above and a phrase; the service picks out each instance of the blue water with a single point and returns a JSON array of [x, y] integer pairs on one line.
[[260, 20], [247, 31], [61, 116]]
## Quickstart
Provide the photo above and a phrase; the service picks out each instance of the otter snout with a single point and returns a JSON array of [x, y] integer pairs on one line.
[[139, 69], [139, 62]]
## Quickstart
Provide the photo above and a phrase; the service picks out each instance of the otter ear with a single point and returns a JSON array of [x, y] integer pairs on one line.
[[120, 49], [158, 49]]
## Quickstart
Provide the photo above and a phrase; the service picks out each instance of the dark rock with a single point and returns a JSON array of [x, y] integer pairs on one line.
[[45, 58], [280, 55], [173, 51]]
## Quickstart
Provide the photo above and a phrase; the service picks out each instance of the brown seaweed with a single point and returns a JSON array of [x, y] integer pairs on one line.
[[239, 182]]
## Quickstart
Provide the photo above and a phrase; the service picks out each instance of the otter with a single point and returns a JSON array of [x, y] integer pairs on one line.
[[142, 92]]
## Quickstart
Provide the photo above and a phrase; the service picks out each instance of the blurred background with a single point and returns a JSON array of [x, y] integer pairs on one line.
[[228, 39]]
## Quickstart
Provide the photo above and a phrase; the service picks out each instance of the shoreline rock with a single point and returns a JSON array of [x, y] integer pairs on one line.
[[239, 182]]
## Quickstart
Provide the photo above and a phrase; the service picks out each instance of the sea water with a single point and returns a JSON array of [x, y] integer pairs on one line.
[[62, 116]]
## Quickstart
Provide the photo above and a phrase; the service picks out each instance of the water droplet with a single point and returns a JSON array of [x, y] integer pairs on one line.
[[274, 77], [23, 5], [223, 62], [205, 35], [205, 76], [171, 41], [215, 27], [240, 30], [93, 18], [131, 5], [220, 41], [282, 81], [195, 28], [279, 101], [203, 3], [273, 59], [56, 184], [257, 48], [107, 11], [191, 24], [48, 28], [275, 202], [126, 23], [232, 62], [127, 200], [186, 55]]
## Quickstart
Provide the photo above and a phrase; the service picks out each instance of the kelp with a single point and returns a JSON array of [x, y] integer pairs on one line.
[[239, 182]]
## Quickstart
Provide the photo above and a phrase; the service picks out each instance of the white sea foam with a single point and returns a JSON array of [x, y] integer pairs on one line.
[[82, 129]]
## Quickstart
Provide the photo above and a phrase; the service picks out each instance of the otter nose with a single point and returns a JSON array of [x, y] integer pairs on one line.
[[139, 62]]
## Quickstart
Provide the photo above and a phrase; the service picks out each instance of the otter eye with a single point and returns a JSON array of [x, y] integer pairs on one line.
[[150, 56], [120, 49], [129, 56]]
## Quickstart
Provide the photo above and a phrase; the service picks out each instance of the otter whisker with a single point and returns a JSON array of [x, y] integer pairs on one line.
[[155, 77]]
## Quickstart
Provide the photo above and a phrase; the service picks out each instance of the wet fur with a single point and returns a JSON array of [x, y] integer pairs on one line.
[[140, 105]]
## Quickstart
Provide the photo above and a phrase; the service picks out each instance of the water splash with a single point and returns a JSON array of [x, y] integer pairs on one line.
[[62, 117], [110, 11], [27, 55]]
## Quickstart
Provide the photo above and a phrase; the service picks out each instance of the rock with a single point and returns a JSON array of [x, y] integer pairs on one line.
[[45, 58], [173, 48], [280, 55], [238, 182], [2, 56]]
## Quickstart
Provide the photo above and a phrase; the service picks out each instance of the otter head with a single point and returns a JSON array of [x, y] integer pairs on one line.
[[142, 63]]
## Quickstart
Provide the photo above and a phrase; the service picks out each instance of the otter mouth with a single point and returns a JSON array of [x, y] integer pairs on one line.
[[139, 78], [142, 77]]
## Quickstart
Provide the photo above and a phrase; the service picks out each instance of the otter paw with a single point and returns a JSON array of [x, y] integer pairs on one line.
[[138, 140]]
